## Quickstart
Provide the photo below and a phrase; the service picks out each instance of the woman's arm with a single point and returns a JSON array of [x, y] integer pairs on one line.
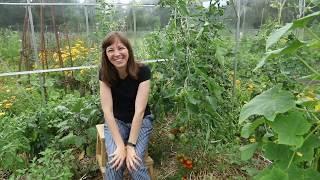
[[107, 107], [140, 106]]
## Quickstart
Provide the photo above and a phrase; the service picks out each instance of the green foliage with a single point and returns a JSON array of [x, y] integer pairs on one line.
[[292, 45], [13, 144], [269, 103], [287, 134], [9, 48], [64, 127], [192, 83], [53, 164], [290, 128]]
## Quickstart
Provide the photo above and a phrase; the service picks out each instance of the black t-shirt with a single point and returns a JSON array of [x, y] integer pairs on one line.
[[124, 95]]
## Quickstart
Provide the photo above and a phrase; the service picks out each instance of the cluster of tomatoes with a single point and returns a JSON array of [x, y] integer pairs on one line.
[[186, 162]]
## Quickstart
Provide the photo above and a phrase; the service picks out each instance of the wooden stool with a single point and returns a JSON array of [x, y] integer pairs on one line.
[[102, 157]]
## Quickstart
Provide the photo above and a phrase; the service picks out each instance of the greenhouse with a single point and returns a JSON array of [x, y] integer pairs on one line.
[[160, 89]]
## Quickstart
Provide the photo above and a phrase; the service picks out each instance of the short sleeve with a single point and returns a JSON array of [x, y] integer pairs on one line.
[[144, 73]]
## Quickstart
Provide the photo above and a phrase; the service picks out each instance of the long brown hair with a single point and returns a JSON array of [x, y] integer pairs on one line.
[[108, 72]]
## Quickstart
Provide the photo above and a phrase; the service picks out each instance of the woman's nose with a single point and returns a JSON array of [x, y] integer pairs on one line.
[[116, 52]]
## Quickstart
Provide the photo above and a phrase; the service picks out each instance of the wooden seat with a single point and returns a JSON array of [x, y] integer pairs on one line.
[[102, 157]]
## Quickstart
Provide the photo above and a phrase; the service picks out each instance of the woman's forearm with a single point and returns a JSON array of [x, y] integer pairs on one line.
[[135, 126], [114, 129]]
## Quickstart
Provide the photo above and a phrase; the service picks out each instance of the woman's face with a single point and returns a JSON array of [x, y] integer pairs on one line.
[[117, 54]]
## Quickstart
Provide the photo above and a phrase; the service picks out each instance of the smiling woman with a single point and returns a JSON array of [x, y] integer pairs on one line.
[[117, 54], [124, 91]]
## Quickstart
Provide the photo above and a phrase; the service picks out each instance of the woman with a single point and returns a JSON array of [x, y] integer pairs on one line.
[[124, 90]]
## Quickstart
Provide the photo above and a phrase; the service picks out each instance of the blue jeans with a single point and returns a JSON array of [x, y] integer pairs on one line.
[[141, 148]]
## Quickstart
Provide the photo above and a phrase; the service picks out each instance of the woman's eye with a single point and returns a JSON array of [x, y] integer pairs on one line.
[[110, 50], [121, 48]]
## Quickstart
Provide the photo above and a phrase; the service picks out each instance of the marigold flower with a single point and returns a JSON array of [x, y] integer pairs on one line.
[[8, 105], [2, 113], [252, 140], [317, 107], [238, 82]]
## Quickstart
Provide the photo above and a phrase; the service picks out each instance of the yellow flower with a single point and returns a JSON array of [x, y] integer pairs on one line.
[[252, 140], [250, 87], [310, 98], [2, 114], [13, 97], [8, 90], [317, 107], [80, 42], [8, 105], [81, 71], [29, 89], [68, 73], [238, 82], [55, 57]]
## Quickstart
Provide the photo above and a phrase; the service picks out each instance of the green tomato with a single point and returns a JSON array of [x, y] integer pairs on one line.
[[171, 136], [183, 137]]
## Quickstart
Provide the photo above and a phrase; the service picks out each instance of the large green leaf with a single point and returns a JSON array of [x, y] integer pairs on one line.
[[314, 44], [296, 173], [306, 152], [275, 36], [302, 22], [220, 55], [247, 151], [272, 174], [290, 128], [250, 127], [291, 47], [299, 23], [277, 152], [268, 104]]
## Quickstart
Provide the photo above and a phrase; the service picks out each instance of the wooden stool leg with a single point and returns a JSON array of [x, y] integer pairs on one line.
[[151, 172]]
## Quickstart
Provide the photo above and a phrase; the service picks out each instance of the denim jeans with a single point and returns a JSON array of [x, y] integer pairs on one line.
[[141, 147]]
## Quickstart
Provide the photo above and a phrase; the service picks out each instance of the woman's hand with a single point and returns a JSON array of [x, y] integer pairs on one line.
[[133, 160], [118, 157]]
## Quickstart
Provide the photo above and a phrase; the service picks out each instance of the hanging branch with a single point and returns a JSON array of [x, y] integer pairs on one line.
[[58, 47], [43, 54], [43, 51], [23, 41], [66, 33]]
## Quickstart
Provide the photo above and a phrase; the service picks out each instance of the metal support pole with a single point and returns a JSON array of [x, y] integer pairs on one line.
[[235, 61], [134, 23], [87, 21], [302, 5], [35, 51]]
